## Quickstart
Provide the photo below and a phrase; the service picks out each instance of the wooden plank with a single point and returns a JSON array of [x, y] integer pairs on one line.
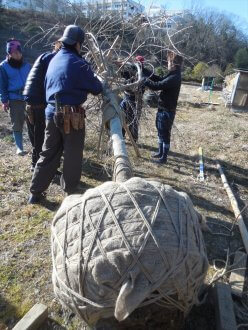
[[237, 278], [136, 149], [224, 314], [34, 318], [234, 203]]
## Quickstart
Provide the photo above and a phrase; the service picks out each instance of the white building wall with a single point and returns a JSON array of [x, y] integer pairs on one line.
[[155, 11], [127, 8], [16, 4], [169, 17]]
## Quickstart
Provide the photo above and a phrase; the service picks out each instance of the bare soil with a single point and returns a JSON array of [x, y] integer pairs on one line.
[[25, 261]]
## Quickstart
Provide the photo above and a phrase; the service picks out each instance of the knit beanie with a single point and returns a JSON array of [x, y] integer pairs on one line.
[[140, 59], [12, 46]]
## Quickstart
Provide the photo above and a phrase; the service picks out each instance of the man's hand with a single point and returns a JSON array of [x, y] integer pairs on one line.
[[5, 106]]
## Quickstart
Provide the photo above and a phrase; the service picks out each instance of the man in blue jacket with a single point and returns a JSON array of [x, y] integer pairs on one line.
[[13, 75], [34, 93], [169, 87], [68, 81]]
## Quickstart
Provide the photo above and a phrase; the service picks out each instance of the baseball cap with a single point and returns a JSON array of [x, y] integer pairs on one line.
[[72, 34]]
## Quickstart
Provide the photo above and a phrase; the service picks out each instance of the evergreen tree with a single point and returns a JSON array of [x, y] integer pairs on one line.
[[241, 58]]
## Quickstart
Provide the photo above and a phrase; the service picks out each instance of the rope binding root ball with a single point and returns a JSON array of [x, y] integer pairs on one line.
[[124, 245]]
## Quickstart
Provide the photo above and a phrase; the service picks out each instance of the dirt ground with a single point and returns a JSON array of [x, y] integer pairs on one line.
[[25, 261]]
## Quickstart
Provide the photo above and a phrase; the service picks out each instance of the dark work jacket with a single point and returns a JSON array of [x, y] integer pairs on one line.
[[128, 73], [72, 78], [169, 87], [34, 91]]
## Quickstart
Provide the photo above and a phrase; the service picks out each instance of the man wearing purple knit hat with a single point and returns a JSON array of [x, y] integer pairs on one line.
[[13, 75]]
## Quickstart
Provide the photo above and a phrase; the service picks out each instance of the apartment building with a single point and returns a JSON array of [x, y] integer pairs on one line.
[[37, 5], [16, 4], [126, 8], [169, 17]]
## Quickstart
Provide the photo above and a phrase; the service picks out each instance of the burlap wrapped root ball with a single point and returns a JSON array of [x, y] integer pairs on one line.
[[121, 246]]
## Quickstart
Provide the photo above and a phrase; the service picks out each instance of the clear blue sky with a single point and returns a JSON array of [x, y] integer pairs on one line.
[[236, 7]]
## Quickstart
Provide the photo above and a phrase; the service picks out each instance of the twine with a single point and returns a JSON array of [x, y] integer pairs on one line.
[[175, 281]]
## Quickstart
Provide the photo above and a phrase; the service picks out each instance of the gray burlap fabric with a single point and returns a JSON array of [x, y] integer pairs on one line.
[[123, 245]]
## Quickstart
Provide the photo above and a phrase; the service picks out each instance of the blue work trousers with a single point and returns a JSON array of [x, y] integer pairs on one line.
[[164, 122]]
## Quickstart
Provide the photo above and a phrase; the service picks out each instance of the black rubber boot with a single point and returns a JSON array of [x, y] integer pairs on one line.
[[159, 153], [35, 198], [163, 158]]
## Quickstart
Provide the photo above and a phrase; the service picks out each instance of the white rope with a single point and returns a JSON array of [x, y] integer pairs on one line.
[[78, 241]]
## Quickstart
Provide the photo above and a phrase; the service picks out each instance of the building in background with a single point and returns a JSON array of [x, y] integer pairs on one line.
[[239, 96], [155, 11], [126, 8], [37, 5], [170, 18], [16, 4]]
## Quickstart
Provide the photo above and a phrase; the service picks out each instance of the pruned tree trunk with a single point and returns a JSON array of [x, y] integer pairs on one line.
[[122, 166]]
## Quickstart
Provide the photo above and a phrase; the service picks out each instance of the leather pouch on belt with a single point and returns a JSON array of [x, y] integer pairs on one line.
[[30, 114], [81, 121], [67, 123], [59, 119], [75, 119], [82, 118]]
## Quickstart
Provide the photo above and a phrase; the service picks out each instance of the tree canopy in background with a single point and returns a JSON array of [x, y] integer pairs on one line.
[[212, 37], [203, 36], [241, 58]]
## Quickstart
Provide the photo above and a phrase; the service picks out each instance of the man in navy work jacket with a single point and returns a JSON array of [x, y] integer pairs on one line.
[[167, 103], [13, 75], [34, 94], [68, 81]]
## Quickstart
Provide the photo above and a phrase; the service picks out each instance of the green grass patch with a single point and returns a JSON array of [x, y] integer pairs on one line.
[[29, 224], [15, 304], [8, 139]]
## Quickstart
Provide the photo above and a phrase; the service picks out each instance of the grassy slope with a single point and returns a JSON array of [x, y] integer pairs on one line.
[[25, 262]]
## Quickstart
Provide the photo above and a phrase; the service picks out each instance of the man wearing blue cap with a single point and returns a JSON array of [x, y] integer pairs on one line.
[[13, 75], [68, 81]]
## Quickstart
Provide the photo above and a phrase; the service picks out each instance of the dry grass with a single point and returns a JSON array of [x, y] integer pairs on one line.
[[25, 262]]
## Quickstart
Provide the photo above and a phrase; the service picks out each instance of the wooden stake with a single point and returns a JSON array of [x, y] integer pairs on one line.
[[99, 141], [136, 149], [34, 318], [235, 207], [237, 278], [224, 314]]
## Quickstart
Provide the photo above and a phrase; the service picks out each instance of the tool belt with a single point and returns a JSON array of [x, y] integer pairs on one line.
[[30, 108], [68, 116]]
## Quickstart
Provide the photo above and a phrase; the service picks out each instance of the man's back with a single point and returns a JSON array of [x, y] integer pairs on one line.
[[72, 77], [169, 87], [34, 90]]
